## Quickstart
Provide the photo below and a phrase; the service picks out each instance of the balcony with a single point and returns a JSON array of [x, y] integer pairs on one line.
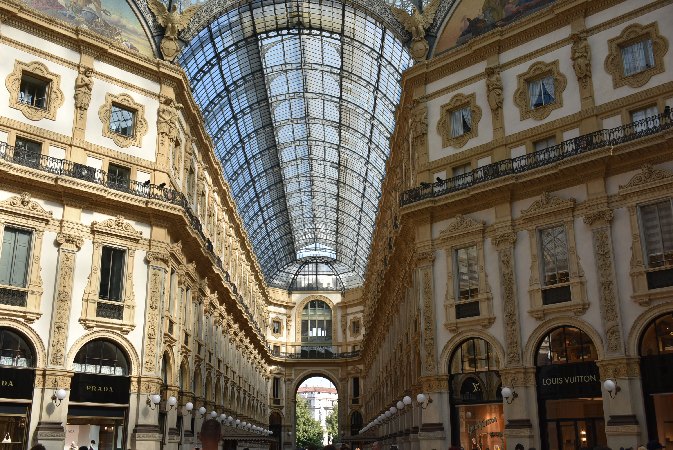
[[565, 150], [315, 352], [70, 169]]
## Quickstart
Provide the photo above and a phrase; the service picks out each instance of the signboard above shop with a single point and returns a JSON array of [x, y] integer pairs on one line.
[[16, 383], [568, 380], [92, 388]]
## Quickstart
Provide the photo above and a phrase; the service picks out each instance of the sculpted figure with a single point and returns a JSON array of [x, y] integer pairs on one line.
[[417, 24], [83, 86], [167, 119], [494, 88], [581, 56]]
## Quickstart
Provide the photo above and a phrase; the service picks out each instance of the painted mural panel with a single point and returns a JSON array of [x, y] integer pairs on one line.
[[472, 18], [113, 19]]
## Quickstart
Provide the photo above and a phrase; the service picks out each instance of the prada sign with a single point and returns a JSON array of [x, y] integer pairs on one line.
[[87, 387], [568, 380], [16, 383]]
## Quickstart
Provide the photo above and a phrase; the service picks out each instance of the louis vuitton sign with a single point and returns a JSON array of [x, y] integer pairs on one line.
[[569, 380], [16, 383], [86, 387]]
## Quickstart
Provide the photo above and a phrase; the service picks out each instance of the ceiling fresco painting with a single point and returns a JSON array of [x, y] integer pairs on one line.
[[475, 17], [113, 19]]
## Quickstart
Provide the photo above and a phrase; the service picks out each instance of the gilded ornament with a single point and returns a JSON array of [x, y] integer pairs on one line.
[[173, 22], [417, 23]]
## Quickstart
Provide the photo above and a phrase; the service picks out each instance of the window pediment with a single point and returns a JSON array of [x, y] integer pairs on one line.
[[648, 177], [548, 204], [461, 226], [22, 205], [117, 227]]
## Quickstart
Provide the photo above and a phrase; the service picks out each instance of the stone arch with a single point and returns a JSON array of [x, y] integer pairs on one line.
[[544, 328], [218, 391], [118, 339], [641, 323], [170, 366], [461, 337], [184, 384], [308, 373], [300, 308], [31, 336]]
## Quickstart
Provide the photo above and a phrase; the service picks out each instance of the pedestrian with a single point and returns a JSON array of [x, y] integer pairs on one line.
[[210, 435]]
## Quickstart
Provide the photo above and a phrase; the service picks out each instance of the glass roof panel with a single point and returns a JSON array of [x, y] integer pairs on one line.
[[299, 98]]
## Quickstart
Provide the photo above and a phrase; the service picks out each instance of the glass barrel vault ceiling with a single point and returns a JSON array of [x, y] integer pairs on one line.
[[299, 98]]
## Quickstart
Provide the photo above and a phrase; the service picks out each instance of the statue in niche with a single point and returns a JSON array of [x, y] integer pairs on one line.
[[173, 22], [494, 88], [83, 87], [167, 120], [581, 57]]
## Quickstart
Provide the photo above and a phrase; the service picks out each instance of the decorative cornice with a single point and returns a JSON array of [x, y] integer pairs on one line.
[[24, 206], [648, 175]]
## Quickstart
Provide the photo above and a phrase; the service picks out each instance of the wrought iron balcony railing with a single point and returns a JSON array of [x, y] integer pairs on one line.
[[63, 167], [566, 149]]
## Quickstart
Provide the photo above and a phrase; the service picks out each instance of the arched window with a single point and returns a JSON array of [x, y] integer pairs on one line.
[[474, 355], [15, 350], [658, 337], [316, 322], [356, 422], [164, 369], [103, 357], [184, 376], [565, 345]]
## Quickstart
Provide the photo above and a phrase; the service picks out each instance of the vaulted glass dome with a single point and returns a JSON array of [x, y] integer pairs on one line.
[[299, 99]]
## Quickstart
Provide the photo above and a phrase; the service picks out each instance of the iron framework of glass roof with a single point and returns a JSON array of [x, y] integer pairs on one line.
[[299, 98]]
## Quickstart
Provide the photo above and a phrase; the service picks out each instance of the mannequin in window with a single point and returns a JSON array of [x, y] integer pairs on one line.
[[91, 445]]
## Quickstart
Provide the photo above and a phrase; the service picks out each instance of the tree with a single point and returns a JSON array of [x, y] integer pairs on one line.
[[332, 421], [309, 431]]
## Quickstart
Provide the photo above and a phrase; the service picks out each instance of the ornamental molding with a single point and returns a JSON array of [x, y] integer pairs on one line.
[[649, 176], [118, 227], [633, 33], [23, 205], [54, 95], [460, 225], [536, 71], [115, 337], [547, 203], [139, 125]]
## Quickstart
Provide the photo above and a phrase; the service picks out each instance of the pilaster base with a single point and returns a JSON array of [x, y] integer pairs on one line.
[[51, 435], [147, 437]]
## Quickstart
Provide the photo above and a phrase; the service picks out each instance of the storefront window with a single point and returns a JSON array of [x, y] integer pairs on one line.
[[477, 419], [656, 368], [99, 395], [14, 350], [101, 357], [569, 391]]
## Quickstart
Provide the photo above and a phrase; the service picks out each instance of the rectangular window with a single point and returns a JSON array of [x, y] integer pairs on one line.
[[111, 273], [554, 251], [645, 118], [15, 257], [356, 327], [356, 387], [543, 144], [118, 177], [122, 120], [467, 273], [545, 149], [657, 229], [541, 92], [461, 121], [33, 91], [637, 57], [276, 387], [275, 327], [276, 350], [27, 152]]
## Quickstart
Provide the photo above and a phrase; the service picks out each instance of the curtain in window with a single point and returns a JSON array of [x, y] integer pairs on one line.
[[456, 123], [541, 92], [637, 57]]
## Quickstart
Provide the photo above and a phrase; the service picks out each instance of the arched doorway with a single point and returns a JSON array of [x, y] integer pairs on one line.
[[316, 413], [569, 394], [17, 362], [102, 379], [276, 428], [474, 391], [656, 369]]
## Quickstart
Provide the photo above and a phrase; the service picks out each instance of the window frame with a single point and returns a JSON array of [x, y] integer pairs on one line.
[[542, 268], [116, 233], [35, 81], [464, 232], [643, 239], [54, 97], [539, 70], [23, 213], [444, 127], [632, 34], [118, 108], [126, 102]]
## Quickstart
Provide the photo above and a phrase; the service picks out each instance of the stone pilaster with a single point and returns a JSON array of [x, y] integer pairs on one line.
[[504, 243], [521, 415], [424, 262], [69, 246]]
